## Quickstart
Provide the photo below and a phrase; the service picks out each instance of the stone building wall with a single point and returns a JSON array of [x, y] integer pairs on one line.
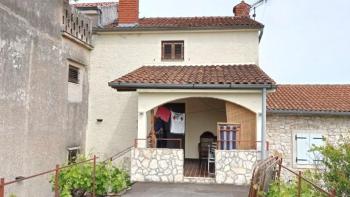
[[235, 166], [280, 129], [157, 165]]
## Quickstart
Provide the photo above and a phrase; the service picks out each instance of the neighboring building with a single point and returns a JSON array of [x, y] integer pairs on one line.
[[101, 14], [43, 89], [302, 115]]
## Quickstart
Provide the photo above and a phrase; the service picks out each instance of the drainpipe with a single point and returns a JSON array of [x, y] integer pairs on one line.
[[263, 125]]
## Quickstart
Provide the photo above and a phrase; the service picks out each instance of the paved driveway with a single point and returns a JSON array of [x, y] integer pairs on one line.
[[186, 189]]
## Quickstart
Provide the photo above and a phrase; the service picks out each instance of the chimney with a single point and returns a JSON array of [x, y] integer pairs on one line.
[[242, 9], [128, 13]]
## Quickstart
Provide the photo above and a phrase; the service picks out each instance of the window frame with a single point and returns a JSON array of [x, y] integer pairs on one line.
[[173, 56], [73, 80], [70, 159]]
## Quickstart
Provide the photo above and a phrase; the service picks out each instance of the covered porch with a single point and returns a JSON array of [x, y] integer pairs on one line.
[[195, 132]]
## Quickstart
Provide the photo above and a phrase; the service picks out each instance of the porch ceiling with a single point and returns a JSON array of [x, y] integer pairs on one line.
[[194, 77]]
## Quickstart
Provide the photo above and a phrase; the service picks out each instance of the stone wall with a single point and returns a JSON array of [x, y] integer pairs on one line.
[[157, 165], [280, 129], [235, 166]]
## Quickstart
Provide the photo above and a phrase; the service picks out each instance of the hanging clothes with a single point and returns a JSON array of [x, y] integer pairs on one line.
[[177, 124], [163, 113]]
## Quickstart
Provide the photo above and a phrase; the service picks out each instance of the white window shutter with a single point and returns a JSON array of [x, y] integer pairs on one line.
[[316, 140], [302, 141]]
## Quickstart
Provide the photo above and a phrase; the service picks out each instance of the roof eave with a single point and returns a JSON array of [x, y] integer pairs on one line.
[[134, 86], [307, 112], [133, 29]]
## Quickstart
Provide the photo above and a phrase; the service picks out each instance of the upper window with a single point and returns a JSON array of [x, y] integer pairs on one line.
[[73, 74], [304, 143], [173, 50]]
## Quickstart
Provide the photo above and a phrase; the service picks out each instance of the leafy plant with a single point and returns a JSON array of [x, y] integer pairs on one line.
[[78, 179], [336, 166], [290, 189]]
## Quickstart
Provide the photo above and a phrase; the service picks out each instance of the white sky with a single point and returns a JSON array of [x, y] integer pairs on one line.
[[304, 41]]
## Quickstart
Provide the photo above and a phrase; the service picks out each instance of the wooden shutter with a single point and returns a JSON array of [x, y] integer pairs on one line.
[[316, 139], [302, 141]]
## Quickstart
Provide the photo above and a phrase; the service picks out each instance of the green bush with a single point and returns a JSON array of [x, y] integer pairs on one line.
[[79, 177], [336, 166], [290, 189]]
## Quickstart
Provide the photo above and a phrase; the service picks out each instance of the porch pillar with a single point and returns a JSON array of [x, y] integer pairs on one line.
[[263, 125], [142, 130]]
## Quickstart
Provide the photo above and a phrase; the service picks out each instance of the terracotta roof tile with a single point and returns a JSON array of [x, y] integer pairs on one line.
[[180, 75], [331, 98], [191, 23]]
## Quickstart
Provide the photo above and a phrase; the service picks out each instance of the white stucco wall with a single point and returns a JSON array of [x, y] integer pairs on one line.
[[117, 54]]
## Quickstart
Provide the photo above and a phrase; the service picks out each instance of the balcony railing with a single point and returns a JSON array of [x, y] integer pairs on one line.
[[76, 25]]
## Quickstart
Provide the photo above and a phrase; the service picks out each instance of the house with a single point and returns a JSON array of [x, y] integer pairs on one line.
[[44, 55], [164, 63], [205, 72], [182, 83]]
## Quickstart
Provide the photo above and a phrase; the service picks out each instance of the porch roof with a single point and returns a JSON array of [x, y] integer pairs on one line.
[[194, 77]]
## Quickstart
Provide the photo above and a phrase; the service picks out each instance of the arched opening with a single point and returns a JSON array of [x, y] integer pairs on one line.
[[200, 115]]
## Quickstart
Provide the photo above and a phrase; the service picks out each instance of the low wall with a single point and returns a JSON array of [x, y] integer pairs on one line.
[[235, 166], [157, 165]]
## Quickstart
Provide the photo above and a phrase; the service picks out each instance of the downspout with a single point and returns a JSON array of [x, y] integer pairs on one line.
[[263, 125], [261, 34]]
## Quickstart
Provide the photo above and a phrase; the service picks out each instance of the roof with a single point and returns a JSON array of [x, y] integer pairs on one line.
[[321, 99], [97, 4], [194, 77], [188, 23]]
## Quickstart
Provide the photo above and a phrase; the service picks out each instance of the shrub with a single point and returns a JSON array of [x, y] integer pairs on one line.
[[290, 189], [336, 166], [78, 178]]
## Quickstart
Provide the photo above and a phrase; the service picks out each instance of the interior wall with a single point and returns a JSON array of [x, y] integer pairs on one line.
[[202, 114]]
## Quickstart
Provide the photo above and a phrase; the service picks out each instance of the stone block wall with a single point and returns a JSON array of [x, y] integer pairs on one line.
[[235, 166], [280, 129], [157, 165]]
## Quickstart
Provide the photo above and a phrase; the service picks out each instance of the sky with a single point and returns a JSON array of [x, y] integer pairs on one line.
[[304, 41]]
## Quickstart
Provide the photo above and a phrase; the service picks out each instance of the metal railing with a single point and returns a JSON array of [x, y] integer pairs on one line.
[[119, 154], [57, 170], [269, 170], [300, 178], [177, 140], [264, 173], [240, 144]]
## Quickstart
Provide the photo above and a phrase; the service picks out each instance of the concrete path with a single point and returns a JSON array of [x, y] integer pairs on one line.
[[186, 189]]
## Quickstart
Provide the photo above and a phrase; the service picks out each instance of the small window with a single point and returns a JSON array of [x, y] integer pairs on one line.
[[73, 74], [73, 153], [172, 50], [227, 135], [304, 142]]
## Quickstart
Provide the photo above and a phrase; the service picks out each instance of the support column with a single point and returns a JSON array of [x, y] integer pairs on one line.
[[142, 130], [263, 125]]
